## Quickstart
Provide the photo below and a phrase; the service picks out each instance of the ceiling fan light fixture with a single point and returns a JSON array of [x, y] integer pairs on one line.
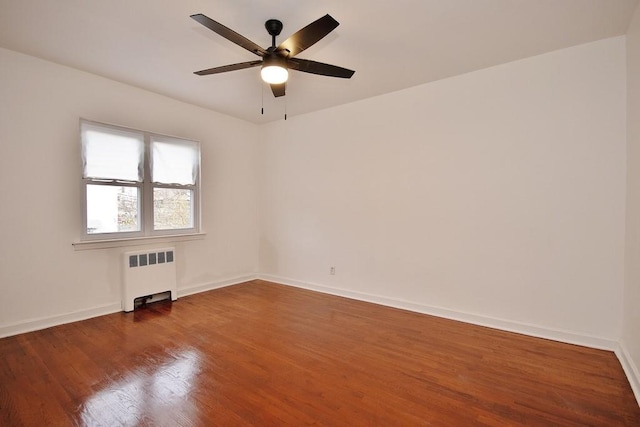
[[274, 74]]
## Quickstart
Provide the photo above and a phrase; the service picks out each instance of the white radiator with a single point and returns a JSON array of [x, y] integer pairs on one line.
[[147, 273]]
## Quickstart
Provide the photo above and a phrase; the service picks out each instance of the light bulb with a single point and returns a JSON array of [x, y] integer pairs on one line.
[[274, 74]]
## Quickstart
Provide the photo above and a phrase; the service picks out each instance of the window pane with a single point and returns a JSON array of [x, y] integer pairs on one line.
[[112, 209], [110, 153], [174, 162], [172, 208]]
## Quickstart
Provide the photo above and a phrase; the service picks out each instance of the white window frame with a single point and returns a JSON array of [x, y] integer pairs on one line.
[[145, 201]]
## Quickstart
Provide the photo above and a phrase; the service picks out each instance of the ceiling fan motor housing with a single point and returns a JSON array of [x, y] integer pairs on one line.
[[274, 60]]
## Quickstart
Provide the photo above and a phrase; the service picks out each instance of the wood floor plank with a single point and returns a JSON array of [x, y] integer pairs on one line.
[[260, 353]]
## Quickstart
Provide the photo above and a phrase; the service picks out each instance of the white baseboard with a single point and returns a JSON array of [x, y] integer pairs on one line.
[[630, 369], [31, 325], [505, 325], [59, 319], [183, 292]]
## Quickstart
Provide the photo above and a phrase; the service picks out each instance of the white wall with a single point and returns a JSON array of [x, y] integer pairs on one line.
[[631, 329], [42, 278], [498, 195]]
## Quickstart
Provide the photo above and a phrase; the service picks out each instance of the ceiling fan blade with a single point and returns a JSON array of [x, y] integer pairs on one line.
[[309, 35], [313, 67], [225, 68], [229, 34], [278, 90]]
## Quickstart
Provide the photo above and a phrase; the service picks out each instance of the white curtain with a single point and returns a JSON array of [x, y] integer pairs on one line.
[[113, 154], [173, 161]]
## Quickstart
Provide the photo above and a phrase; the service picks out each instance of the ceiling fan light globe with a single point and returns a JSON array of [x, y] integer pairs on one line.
[[274, 74]]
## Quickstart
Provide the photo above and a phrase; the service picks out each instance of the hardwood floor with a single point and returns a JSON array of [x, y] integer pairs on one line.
[[265, 354]]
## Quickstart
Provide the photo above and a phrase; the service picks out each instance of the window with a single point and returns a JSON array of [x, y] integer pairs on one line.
[[137, 184]]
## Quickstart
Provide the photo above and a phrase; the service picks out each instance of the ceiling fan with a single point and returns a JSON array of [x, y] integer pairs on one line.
[[277, 60]]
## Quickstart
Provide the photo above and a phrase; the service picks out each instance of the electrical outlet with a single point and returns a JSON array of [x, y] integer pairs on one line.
[[332, 271]]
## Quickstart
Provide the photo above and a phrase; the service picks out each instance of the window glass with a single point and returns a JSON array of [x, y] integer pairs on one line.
[[112, 209], [172, 208]]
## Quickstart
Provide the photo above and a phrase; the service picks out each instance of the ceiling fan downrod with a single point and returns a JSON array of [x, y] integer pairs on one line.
[[274, 27]]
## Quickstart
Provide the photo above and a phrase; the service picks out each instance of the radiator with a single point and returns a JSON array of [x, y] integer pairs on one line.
[[147, 273]]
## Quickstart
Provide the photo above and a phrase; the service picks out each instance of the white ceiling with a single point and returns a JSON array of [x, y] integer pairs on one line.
[[392, 45]]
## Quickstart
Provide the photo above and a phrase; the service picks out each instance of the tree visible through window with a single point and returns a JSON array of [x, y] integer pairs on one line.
[[137, 183], [127, 209], [172, 208]]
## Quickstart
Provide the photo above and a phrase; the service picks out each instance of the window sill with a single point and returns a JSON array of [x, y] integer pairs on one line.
[[135, 241]]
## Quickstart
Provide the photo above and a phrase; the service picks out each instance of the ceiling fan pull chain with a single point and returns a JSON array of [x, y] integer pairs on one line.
[[262, 94]]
